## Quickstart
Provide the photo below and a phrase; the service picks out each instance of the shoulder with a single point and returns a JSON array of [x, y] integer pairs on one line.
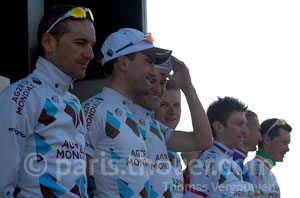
[[91, 105], [27, 93], [208, 158], [163, 128]]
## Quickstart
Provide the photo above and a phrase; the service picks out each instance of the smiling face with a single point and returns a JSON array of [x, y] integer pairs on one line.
[[169, 110], [140, 74], [279, 146], [158, 86], [232, 135]]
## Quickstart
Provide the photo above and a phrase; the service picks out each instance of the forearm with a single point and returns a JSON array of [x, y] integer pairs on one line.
[[201, 128]]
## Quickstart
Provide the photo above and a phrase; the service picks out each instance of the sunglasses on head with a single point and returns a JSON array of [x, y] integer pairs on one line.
[[278, 122], [147, 37], [74, 13]]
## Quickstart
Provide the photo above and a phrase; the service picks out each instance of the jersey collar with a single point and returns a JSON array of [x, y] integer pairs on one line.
[[52, 76], [141, 112], [265, 159], [222, 148], [116, 98]]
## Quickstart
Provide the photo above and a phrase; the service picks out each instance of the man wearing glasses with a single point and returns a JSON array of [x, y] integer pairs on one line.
[[274, 145], [42, 127], [115, 145]]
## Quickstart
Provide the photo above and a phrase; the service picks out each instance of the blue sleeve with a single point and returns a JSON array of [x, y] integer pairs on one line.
[[239, 157]]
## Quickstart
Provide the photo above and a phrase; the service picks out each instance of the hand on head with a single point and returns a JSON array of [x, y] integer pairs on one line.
[[181, 75]]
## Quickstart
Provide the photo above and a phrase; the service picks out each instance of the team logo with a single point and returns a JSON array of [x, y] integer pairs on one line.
[[142, 122], [55, 99], [118, 112]]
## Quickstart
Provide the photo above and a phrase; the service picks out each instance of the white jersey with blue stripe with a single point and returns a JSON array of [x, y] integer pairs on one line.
[[42, 136], [156, 136], [117, 146]]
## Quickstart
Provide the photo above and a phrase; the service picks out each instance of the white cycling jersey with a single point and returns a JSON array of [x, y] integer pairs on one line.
[[264, 181], [216, 175], [42, 136], [156, 136], [176, 174], [117, 146]]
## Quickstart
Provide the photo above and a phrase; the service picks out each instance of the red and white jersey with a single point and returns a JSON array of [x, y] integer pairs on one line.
[[42, 136], [216, 175], [113, 139]]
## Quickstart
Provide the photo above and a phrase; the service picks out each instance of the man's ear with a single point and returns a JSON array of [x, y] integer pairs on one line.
[[266, 139], [48, 42], [123, 63], [218, 127]]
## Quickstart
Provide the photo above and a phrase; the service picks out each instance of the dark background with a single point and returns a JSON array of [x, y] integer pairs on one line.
[[110, 15]]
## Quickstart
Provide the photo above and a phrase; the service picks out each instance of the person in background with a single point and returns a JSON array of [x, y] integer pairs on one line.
[[116, 151], [158, 137], [168, 113], [215, 174], [189, 158], [43, 127], [274, 145], [250, 142]]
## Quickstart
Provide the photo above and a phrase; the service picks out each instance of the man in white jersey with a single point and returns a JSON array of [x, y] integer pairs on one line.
[[249, 144], [274, 145], [215, 174], [168, 112], [43, 127], [114, 141], [159, 137]]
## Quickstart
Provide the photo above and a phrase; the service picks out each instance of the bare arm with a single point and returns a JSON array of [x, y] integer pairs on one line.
[[201, 136]]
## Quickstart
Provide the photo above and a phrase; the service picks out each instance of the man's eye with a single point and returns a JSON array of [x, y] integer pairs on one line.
[[163, 104]]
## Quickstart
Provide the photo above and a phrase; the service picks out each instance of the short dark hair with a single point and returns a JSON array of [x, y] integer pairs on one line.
[[48, 19], [250, 116], [274, 132], [221, 110], [108, 66]]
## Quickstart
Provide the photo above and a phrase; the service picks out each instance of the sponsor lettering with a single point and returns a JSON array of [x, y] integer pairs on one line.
[[13, 130], [21, 94], [208, 164], [177, 185], [161, 162], [71, 150], [160, 165], [90, 110], [137, 158], [139, 153], [136, 162]]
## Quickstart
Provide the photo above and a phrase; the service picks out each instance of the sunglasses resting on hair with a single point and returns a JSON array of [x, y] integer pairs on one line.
[[279, 122], [74, 13]]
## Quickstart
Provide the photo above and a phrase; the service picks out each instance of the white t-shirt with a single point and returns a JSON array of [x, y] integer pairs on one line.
[[216, 175], [156, 136], [116, 144], [264, 181], [176, 174], [42, 136]]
